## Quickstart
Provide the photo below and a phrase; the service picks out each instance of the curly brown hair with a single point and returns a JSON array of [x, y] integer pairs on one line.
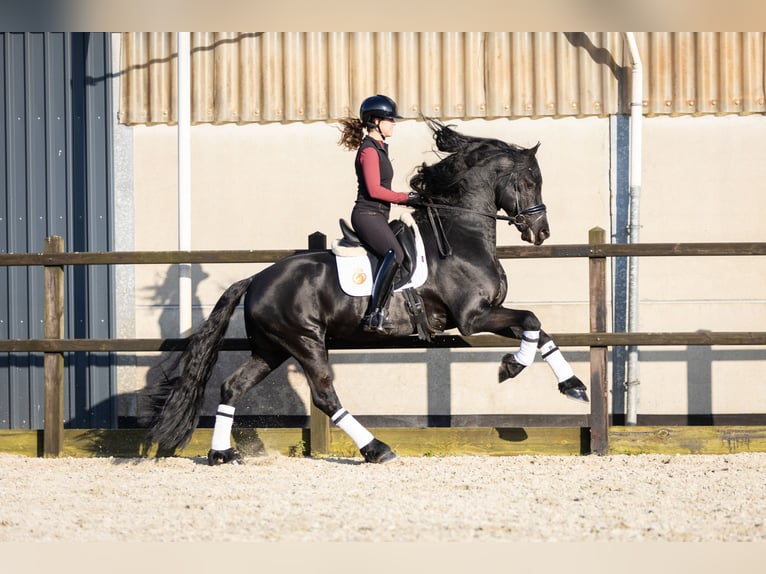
[[352, 133]]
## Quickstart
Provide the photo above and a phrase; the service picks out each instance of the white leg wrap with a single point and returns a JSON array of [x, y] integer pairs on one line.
[[224, 418], [345, 421], [557, 362], [528, 348]]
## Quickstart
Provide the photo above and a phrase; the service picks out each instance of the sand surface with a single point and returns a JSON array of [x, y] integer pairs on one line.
[[451, 499]]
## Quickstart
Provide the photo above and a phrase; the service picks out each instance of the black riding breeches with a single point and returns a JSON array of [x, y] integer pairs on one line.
[[372, 228]]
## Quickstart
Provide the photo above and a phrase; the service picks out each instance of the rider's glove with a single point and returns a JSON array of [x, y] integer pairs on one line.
[[414, 199]]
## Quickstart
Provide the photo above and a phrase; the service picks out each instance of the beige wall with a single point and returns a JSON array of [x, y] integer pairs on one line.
[[269, 186]]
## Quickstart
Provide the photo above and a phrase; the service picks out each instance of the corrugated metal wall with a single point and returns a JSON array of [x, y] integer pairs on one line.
[[55, 179], [244, 77]]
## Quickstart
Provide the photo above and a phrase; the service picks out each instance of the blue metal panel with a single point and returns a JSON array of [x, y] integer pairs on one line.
[[91, 296], [5, 379], [55, 173], [17, 289]]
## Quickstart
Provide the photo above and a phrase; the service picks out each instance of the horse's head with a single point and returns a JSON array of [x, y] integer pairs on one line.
[[486, 175], [518, 192]]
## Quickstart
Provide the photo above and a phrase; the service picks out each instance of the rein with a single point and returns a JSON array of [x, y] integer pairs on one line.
[[519, 219], [445, 250]]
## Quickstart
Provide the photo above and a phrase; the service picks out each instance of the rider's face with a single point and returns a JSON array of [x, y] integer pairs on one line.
[[386, 127]]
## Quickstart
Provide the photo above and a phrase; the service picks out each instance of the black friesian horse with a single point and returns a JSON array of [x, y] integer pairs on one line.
[[295, 305]]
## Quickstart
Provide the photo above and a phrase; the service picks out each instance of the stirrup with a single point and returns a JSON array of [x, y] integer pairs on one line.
[[376, 322]]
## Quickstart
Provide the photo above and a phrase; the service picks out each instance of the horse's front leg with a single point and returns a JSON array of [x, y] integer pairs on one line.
[[525, 326], [522, 325], [569, 384]]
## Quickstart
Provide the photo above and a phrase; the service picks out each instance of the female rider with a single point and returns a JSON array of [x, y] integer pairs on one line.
[[374, 197]]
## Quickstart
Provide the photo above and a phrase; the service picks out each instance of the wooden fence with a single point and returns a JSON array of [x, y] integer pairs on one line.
[[53, 259]]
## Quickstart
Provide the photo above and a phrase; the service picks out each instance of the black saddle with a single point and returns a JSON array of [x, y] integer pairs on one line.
[[403, 233]]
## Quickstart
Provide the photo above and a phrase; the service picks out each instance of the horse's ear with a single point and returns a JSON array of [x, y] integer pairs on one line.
[[533, 150]]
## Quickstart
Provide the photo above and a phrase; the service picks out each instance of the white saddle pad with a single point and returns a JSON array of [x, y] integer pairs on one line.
[[355, 272]]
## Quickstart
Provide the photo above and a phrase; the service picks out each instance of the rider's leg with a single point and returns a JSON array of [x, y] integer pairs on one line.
[[373, 229], [382, 289]]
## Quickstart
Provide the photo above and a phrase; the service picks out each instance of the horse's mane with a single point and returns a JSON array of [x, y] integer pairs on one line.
[[446, 179]]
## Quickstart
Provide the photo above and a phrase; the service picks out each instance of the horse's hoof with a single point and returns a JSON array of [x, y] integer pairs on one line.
[[228, 456], [377, 452], [509, 368], [573, 388]]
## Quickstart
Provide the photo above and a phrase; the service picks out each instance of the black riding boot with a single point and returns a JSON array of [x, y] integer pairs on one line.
[[381, 293]]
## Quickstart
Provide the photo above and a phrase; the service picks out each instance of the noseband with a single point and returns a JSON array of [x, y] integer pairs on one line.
[[521, 219]]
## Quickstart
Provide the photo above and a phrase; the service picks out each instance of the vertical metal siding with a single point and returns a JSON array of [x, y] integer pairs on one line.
[[94, 394], [708, 73], [522, 100], [203, 63], [317, 103], [23, 283], [315, 76], [361, 64], [475, 98], [430, 75], [339, 76], [753, 83], [498, 73], [271, 77], [408, 94], [294, 76], [55, 178], [683, 96]]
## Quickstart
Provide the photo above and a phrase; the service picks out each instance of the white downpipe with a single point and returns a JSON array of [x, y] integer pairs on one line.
[[184, 182], [632, 384]]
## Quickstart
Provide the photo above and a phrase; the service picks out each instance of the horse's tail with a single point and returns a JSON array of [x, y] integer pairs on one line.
[[176, 402]]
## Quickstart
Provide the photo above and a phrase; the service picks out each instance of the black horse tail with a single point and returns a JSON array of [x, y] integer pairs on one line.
[[175, 403]]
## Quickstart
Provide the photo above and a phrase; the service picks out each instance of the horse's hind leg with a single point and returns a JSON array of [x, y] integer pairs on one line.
[[236, 385], [316, 367]]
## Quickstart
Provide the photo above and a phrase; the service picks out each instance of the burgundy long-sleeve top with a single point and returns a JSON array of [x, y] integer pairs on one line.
[[374, 174]]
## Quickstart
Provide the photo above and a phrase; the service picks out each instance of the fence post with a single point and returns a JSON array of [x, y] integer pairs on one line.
[[599, 416], [53, 363], [319, 423]]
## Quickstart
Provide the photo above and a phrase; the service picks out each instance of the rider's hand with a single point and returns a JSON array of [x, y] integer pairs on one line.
[[414, 199]]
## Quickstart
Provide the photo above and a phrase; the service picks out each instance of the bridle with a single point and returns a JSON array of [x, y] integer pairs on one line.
[[521, 220]]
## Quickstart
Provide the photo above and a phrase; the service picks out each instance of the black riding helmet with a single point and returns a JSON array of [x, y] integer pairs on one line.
[[381, 107]]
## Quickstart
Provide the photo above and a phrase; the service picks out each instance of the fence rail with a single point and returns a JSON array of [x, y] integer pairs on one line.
[[577, 250], [598, 339], [644, 339]]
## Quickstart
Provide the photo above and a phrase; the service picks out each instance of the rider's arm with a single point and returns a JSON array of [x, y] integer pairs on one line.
[[371, 171]]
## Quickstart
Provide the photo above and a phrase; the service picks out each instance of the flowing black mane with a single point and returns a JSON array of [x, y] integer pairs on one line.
[[448, 179]]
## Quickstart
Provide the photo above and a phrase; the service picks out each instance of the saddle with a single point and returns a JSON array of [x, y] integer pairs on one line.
[[411, 274], [403, 233]]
